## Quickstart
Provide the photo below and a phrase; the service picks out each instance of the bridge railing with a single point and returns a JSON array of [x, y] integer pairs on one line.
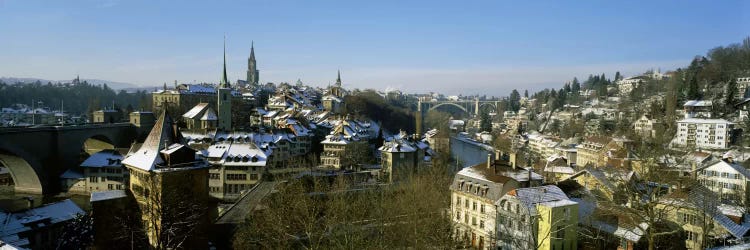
[[66, 127]]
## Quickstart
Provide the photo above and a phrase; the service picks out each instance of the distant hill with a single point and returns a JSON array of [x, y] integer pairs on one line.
[[112, 84]]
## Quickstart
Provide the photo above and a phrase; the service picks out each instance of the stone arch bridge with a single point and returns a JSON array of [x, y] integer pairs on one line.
[[468, 106], [36, 157]]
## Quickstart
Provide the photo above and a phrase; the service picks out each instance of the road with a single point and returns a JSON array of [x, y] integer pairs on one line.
[[239, 211], [224, 226]]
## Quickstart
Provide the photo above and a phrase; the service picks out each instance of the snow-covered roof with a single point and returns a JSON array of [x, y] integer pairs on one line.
[[698, 103], [549, 195], [163, 136], [104, 158], [17, 223], [244, 154], [699, 120], [107, 195], [195, 111], [209, 115]]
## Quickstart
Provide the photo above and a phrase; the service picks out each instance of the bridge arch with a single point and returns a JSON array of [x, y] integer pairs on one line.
[[488, 104], [23, 169], [96, 143], [450, 104]]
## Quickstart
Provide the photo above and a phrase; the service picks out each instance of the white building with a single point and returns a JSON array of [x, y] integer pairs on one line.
[[474, 192], [703, 133], [698, 109], [625, 86], [742, 85], [645, 126], [728, 180]]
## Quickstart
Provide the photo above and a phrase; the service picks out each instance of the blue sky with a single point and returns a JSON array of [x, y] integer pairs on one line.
[[454, 47]]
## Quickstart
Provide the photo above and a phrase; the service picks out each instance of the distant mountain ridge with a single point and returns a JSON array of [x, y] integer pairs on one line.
[[112, 84]]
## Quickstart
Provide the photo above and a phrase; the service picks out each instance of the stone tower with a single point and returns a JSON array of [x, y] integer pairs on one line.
[[170, 186], [338, 79], [224, 102], [252, 69]]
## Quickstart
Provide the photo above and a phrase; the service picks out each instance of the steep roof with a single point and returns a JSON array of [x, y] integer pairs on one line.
[[163, 134], [209, 115], [700, 197], [485, 178], [196, 110], [532, 196], [737, 167], [104, 158]]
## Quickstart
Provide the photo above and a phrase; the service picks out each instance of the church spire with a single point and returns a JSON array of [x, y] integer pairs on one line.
[[224, 81], [252, 50], [338, 79]]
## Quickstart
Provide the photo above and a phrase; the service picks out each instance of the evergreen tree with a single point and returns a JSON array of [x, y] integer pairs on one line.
[[617, 76], [485, 123], [526, 93], [729, 99], [575, 86], [515, 101], [693, 89]]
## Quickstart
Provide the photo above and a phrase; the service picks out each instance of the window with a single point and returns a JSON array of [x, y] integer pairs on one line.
[[253, 176], [466, 203], [236, 176], [473, 221], [481, 224], [474, 206], [213, 176], [93, 179], [481, 208], [458, 216], [560, 234], [110, 186]]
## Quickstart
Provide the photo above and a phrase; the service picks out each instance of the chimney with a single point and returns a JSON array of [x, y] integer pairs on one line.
[[693, 174], [530, 179], [489, 161]]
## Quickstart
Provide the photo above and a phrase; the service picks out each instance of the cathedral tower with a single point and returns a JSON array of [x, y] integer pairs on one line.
[[224, 102], [338, 79], [252, 68]]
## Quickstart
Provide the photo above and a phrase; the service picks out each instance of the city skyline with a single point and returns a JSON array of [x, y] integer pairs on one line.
[[478, 48]]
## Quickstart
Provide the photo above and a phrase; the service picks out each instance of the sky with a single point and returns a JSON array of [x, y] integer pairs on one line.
[[451, 47]]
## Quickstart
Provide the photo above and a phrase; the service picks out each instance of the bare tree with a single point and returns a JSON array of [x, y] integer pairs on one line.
[[169, 217], [319, 213]]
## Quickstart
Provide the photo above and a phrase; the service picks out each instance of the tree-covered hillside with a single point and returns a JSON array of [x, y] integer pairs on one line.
[[78, 99]]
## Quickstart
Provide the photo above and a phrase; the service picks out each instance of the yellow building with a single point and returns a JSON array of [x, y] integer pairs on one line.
[[102, 171], [537, 218], [235, 167], [170, 185]]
